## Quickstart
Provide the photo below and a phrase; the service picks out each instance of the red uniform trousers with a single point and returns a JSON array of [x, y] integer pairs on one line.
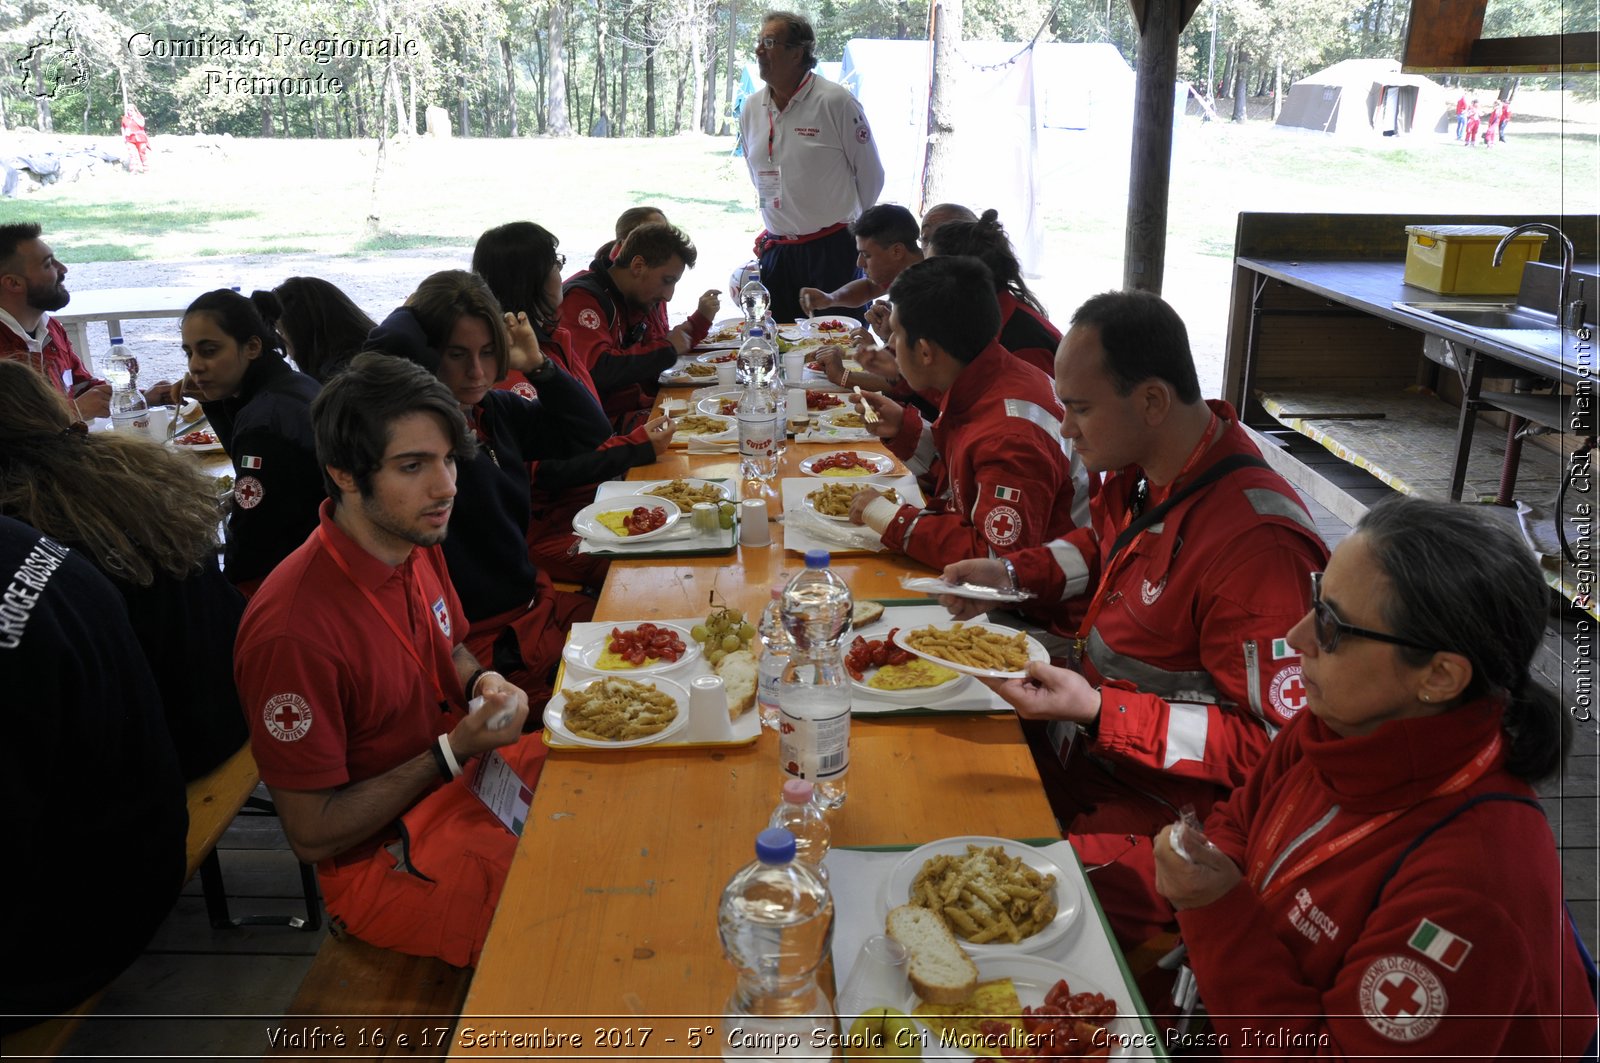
[[458, 855], [524, 644]]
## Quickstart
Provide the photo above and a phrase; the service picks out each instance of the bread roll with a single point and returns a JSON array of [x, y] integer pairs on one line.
[[865, 612], [939, 969], [740, 675]]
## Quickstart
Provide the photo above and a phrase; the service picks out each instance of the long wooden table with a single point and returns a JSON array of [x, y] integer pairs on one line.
[[608, 921]]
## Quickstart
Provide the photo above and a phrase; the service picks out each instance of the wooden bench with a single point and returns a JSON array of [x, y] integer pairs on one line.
[[413, 1000], [213, 799]]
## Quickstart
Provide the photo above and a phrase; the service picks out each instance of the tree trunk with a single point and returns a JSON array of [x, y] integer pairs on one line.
[[734, 52], [946, 27], [266, 117], [708, 99], [1508, 88], [697, 73], [597, 105], [621, 95], [41, 102], [1144, 253], [411, 102], [1225, 83], [1277, 89], [677, 104], [511, 87], [556, 83], [649, 71], [1241, 86]]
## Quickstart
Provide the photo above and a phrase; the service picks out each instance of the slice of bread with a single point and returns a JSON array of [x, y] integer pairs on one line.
[[865, 612], [939, 969], [740, 674]]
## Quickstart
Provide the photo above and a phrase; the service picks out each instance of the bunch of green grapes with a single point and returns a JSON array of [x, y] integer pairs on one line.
[[724, 631]]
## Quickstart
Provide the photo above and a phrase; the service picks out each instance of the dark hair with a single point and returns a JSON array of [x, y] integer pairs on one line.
[[1143, 337], [445, 297], [1467, 583], [351, 416], [14, 234], [656, 243], [514, 260], [986, 239], [800, 32], [322, 326], [238, 317], [887, 224], [634, 217], [950, 302]]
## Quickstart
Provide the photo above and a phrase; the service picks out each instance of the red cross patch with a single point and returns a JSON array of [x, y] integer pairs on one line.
[[248, 492], [525, 389], [1003, 526], [589, 319], [1288, 692], [287, 717], [1402, 999]]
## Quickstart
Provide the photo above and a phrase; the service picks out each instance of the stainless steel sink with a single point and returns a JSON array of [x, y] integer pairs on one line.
[[1485, 315]]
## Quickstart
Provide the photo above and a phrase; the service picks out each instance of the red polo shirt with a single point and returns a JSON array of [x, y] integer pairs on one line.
[[331, 694]]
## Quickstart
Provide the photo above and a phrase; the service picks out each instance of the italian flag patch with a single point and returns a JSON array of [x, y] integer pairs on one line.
[[1439, 945], [1007, 494], [247, 461], [1281, 649]]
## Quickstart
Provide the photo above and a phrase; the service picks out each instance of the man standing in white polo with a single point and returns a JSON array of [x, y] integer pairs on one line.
[[813, 162]]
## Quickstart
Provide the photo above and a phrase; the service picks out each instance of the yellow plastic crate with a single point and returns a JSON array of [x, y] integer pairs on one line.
[[1457, 259]]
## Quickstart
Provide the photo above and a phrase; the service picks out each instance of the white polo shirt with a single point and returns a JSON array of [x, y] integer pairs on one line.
[[817, 155]]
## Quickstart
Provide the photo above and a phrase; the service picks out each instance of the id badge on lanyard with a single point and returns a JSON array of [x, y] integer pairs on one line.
[[769, 186]]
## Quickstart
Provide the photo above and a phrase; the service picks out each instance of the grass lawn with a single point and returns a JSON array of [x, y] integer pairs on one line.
[[224, 197]]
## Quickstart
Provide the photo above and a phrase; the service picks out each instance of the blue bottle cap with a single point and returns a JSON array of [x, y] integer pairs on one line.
[[775, 846], [817, 559], [115, 340]]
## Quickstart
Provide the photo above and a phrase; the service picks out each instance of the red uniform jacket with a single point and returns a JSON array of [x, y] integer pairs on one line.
[[1465, 952], [1188, 646], [999, 475], [1028, 334], [611, 340], [57, 361]]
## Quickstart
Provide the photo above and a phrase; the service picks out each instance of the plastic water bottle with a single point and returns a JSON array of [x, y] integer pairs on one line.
[[760, 434], [757, 361], [776, 924], [798, 814], [129, 411], [754, 298], [814, 694], [776, 646]]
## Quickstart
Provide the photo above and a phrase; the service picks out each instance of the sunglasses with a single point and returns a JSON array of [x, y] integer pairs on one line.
[[1328, 628]]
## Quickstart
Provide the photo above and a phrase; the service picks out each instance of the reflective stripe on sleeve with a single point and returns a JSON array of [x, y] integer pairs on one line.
[[1074, 569]]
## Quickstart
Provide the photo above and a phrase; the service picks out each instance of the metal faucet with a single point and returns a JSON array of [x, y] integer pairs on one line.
[[1569, 314]]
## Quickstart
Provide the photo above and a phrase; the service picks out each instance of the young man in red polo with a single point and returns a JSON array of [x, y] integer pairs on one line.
[[355, 682]]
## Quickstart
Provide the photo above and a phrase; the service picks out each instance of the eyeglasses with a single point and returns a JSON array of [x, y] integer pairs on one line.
[[1327, 627], [561, 260], [770, 43]]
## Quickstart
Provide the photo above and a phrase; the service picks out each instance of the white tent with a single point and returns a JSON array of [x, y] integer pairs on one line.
[[1364, 97]]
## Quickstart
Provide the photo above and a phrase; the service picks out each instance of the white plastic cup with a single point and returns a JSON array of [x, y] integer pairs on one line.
[[160, 421], [794, 366], [753, 530], [727, 374], [797, 404], [708, 710]]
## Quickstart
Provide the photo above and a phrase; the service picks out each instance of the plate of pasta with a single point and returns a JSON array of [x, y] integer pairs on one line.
[[617, 713], [987, 650], [688, 490], [996, 895]]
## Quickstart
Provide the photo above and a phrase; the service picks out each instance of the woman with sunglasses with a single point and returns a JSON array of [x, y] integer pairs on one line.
[[1385, 883]]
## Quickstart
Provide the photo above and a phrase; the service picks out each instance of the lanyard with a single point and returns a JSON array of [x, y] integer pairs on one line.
[[405, 640], [1470, 773], [798, 89], [1101, 598]]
